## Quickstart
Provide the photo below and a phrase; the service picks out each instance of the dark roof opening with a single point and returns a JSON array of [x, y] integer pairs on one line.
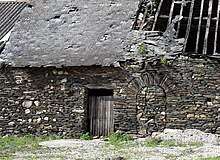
[[199, 24]]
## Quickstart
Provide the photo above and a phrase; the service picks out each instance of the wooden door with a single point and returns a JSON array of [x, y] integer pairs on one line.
[[101, 115]]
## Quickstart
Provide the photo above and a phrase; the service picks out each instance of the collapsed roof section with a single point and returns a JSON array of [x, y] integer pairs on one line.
[[195, 20], [98, 32]]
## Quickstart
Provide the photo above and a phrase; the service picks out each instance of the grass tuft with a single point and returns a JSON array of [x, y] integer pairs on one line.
[[196, 144], [170, 143], [12, 144], [151, 143], [116, 139], [86, 136], [211, 158]]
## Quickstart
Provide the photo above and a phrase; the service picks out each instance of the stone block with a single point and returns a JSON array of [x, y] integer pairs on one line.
[[27, 104]]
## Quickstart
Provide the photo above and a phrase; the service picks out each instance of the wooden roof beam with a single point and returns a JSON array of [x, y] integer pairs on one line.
[[189, 24], [208, 27], [216, 29], [199, 26], [157, 15]]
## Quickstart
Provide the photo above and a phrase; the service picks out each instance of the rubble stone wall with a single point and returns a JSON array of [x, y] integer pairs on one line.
[[147, 97], [185, 94], [194, 100], [54, 101]]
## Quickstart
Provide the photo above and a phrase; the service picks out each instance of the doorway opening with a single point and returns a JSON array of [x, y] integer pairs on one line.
[[100, 112]]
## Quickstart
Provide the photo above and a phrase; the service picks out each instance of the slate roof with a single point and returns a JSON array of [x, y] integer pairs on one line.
[[9, 14], [71, 33]]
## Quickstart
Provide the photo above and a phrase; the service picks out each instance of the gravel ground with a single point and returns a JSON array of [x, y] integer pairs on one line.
[[97, 149]]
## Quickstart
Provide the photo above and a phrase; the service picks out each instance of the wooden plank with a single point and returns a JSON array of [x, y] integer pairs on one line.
[[98, 116], [109, 107], [107, 117], [112, 114], [171, 13], [208, 27], [102, 104], [109, 114], [189, 24], [92, 114], [95, 117], [104, 117], [145, 15], [179, 22], [157, 15], [216, 28], [181, 2], [199, 26], [107, 120]]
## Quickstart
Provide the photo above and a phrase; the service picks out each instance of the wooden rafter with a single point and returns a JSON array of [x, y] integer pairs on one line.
[[157, 15], [179, 22], [171, 13], [145, 15], [199, 26], [189, 25], [217, 27], [208, 27]]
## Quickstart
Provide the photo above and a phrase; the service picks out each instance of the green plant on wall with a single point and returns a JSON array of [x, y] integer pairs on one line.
[[142, 49], [165, 62]]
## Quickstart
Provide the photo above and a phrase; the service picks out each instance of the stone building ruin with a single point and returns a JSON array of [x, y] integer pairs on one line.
[[99, 66]]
